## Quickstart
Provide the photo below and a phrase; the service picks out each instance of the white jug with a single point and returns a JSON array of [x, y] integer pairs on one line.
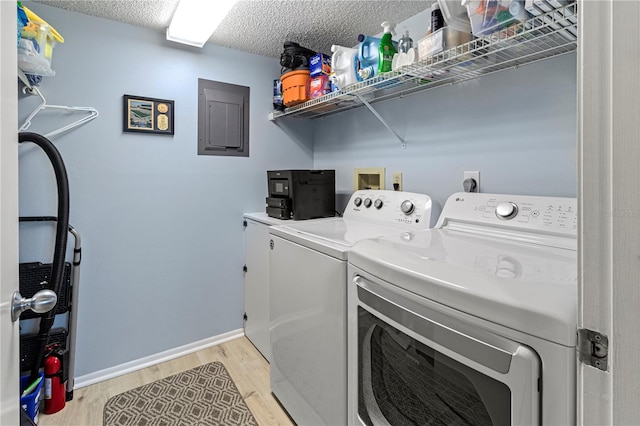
[[344, 66]]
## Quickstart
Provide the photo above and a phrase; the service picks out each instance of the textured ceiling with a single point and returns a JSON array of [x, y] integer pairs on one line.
[[262, 26]]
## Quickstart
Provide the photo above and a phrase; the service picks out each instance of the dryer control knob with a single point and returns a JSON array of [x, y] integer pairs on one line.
[[367, 202], [357, 201], [407, 207], [378, 204], [506, 210]]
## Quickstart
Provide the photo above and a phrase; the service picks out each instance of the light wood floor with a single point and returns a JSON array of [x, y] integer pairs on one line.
[[248, 369]]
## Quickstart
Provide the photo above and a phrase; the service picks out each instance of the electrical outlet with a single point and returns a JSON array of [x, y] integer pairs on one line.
[[397, 181], [475, 176]]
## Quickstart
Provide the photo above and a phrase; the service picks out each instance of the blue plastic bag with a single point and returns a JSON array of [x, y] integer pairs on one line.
[[22, 21]]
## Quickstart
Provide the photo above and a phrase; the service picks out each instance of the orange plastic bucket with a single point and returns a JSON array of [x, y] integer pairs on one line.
[[295, 87]]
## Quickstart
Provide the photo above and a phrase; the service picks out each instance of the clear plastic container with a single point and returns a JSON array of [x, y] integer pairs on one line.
[[489, 16], [35, 50], [443, 39], [455, 15]]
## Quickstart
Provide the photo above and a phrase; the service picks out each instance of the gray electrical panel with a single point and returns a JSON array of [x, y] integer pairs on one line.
[[223, 119]]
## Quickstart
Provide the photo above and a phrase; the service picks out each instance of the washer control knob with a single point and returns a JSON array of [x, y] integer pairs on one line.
[[407, 207], [367, 202], [506, 210], [357, 201], [378, 204]]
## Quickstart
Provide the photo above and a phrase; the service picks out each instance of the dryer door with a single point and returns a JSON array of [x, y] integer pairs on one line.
[[419, 366]]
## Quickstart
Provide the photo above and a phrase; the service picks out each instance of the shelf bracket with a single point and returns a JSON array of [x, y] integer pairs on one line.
[[382, 120], [27, 89]]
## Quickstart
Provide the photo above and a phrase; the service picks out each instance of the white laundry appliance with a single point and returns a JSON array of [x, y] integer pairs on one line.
[[471, 322], [308, 299], [256, 279]]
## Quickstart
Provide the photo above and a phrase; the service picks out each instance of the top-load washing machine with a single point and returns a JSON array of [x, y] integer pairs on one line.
[[471, 322], [308, 299]]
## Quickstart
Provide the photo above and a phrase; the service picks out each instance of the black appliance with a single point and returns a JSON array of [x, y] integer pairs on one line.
[[301, 194], [295, 57]]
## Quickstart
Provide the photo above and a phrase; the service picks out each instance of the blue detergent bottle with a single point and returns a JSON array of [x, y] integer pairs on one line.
[[368, 56]]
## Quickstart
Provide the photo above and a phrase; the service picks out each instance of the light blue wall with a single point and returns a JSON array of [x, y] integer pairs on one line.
[[517, 127], [161, 226]]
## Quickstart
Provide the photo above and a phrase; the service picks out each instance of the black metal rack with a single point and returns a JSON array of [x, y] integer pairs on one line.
[[35, 276]]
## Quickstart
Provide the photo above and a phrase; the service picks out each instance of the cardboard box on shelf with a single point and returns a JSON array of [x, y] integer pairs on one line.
[[320, 64], [319, 86]]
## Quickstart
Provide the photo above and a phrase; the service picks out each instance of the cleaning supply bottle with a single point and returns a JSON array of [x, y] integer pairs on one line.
[[367, 56], [405, 43], [386, 48], [437, 19], [344, 65]]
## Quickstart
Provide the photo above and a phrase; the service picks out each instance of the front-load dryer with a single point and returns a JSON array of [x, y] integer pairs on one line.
[[308, 299], [471, 322]]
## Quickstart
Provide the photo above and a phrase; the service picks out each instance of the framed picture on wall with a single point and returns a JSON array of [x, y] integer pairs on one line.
[[147, 115]]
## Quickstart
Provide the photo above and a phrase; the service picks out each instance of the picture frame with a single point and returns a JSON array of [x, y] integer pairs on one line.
[[147, 115]]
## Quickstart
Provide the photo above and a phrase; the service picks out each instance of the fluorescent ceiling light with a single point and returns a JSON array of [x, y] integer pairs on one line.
[[194, 21]]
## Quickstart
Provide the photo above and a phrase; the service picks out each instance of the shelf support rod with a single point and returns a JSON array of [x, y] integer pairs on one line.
[[382, 120], [27, 89]]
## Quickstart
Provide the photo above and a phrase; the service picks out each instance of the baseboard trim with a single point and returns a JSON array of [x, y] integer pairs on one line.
[[138, 364]]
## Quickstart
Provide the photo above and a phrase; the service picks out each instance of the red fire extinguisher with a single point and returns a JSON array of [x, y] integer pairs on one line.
[[54, 385]]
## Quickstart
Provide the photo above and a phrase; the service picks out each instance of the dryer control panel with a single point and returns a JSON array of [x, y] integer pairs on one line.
[[529, 214], [395, 208]]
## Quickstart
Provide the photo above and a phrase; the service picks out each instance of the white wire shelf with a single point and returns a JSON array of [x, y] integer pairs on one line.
[[550, 34]]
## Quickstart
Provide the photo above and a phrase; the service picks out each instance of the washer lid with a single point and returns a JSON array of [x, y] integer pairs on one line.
[[332, 236], [263, 217], [526, 287]]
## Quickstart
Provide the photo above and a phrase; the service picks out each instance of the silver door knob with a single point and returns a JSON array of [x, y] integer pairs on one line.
[[41, 302]]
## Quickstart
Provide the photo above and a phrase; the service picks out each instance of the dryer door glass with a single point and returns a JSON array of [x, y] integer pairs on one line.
[[404, 382]]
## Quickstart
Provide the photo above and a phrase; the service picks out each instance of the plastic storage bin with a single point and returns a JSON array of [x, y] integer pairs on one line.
[[455, 15], [443, 39], [35, 50], [488, 16], [31, 402]]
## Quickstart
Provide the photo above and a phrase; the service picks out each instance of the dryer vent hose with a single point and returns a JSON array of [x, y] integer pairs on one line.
[[62, 227]]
